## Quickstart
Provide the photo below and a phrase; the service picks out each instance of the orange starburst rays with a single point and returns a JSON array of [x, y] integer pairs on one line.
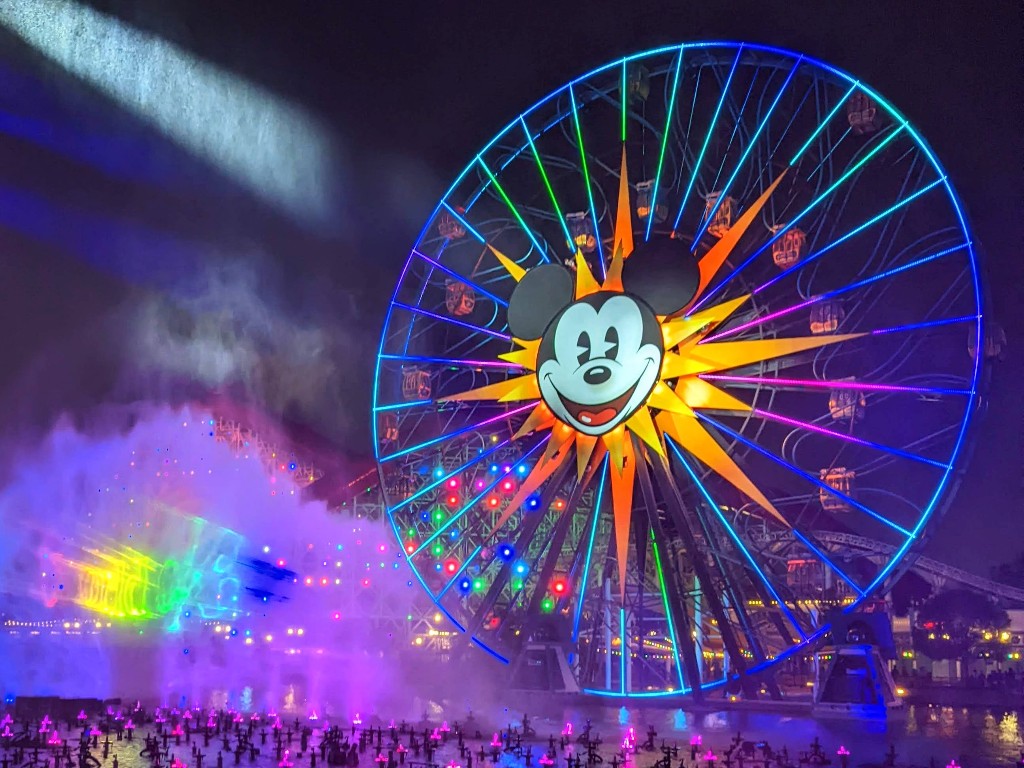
[[670, 409]]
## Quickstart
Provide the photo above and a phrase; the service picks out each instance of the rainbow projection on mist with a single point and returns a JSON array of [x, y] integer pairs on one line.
[[122, 582]]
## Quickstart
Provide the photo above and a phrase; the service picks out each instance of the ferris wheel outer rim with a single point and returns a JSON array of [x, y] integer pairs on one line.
[[945, 488]]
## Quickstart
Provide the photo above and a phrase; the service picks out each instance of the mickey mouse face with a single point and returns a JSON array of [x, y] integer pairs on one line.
[[600, 356], [600, 361]]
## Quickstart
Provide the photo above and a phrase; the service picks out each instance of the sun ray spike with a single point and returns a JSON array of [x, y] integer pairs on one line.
[[614, 441], [681, 328], [695, 439], [561, 434], [585, 282], [622, 510], [584, 450], [664, 398], [595, 462], [510, 266], [540, 418], [518, 388], [697, 393], [713, 260], [642, 425], [623, 237], [526, 357], [721, 356]]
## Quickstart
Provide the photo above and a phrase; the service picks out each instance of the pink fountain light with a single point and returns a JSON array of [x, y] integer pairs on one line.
[[187, 714], [567, 730], [495, 740], [710, 756], [277, 724], [255, 717], [94, 731], [357, 720], [285, 762], [546, 759], [7, 720], [176, 763], [381, 758], [435, 735], [842, 750], [953, 764], [313, 716], [211, 722], [82, 716], [129, 724], [54, 740], [695, 740], [402, 749], [445, 729], [452, 764], [238, 718], [6, 733], [177, 730]]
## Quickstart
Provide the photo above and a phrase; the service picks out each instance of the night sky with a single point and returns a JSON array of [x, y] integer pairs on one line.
[[141, 266]]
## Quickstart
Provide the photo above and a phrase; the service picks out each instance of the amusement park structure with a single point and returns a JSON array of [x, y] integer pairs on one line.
[[674, 377]]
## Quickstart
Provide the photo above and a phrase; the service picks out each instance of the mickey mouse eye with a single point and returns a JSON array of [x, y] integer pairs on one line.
[[583, 342], [611, 343]]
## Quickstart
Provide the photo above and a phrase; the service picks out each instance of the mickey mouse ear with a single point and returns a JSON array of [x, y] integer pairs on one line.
[[663, 273], [539, 296]]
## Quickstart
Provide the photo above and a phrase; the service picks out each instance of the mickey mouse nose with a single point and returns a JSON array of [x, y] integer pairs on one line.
[[599, 374]]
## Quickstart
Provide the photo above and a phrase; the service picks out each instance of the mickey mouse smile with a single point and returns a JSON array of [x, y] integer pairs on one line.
[[598, 414]]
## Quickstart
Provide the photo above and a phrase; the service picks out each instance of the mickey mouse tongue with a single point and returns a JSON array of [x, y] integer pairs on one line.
[[599, 414]]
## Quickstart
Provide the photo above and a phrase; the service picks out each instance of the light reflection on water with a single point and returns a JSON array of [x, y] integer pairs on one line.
[[976, 738]]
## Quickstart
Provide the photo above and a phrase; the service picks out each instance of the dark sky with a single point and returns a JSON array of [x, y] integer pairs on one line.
[[408, 92]]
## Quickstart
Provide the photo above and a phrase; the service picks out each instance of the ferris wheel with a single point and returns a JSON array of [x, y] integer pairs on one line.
[[676, 322]]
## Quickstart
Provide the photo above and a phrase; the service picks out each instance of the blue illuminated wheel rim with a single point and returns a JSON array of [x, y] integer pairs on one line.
[[843, 427]]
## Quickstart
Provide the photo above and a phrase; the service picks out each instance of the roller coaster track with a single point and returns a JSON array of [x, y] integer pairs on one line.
[[925, 566]]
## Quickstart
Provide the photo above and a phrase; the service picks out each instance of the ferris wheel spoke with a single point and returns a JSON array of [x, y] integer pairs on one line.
[[461, 278], [452, 321], [512, 207], [524, 536], [857, 386], [737, 540], [444, 478], [585, 575], [586, 180], [547, 182], [678, 511], [453, 361], [458, 574], [818, 553], [462, 220], [927, 324], [772, 316], [449, 435], [852, 439], [458, 515], [402, 405], [855, 231], [810, 478], [751, 143], [707, 139], [823, 124], [831, 151], [664, 138], [879, 146]]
